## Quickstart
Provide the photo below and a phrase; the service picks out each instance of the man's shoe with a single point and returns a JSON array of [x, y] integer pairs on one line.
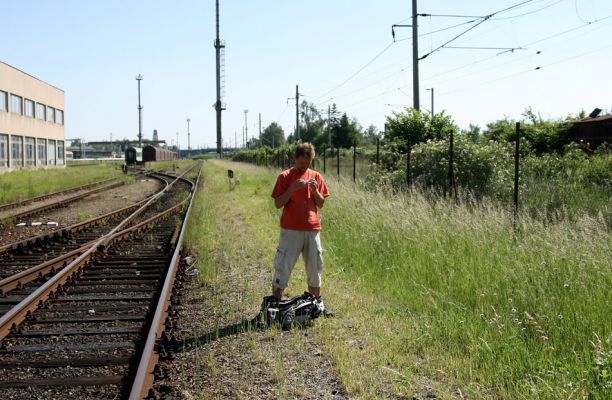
[[323, 310]]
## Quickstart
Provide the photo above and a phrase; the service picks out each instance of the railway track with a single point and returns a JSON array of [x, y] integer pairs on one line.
[[91, 329], [19, 216], [17, 204], [25, 265]]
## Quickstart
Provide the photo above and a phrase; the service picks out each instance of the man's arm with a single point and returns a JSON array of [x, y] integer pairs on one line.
[[283, 199], [318, 197]]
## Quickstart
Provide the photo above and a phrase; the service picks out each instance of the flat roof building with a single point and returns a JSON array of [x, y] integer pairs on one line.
[[31, 121]]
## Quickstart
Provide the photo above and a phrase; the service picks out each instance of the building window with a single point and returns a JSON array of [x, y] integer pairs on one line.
[[3, 151], [16, 104], [29, 152], [60, 152], [51, 152], [28, 108], [3, 101], [50, 114], [16, 151], [42, 151], [40, 111], [59, 116]]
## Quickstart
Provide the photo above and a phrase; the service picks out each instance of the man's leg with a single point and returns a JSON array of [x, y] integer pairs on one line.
[[289, 248], [315, 291]]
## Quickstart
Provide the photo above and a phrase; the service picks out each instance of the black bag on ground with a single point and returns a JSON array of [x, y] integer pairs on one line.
[[295, 311]]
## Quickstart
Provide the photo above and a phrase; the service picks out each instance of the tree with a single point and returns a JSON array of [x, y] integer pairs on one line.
[[370, 134], [412, 127], [345, 133], [273, 135]]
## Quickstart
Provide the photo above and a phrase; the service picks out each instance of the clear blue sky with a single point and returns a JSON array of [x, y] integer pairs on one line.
[[94, 50]]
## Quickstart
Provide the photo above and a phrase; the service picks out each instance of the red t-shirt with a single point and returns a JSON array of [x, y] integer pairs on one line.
[[300, 212]]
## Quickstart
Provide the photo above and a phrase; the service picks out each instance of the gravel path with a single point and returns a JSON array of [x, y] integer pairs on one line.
[[82, 210], [238, 364]]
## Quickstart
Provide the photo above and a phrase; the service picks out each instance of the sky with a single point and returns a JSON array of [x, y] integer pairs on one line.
[[551, 55]]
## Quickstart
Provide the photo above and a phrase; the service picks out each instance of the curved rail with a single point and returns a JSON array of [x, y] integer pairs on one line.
[[10, 320], [21, 203], [144, 378]]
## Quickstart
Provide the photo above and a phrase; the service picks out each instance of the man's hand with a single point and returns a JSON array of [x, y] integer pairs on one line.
[[313, 184], [297, 185]]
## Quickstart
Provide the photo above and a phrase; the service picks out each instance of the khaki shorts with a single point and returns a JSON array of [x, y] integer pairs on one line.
[[290, 245]]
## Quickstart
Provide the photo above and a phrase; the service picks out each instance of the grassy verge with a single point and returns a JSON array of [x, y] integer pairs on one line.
[[443, 299], [24, 184]]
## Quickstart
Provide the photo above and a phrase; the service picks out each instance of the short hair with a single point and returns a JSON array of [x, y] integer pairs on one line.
[[305, 150]]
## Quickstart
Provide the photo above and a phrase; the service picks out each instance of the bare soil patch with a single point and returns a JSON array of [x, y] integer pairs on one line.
[[219, 357], [89, 207]]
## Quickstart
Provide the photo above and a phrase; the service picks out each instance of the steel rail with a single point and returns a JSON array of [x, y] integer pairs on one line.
[[10, 320], [60, 203], [73, 228], [144, 378], [50, 266], [21, 203]]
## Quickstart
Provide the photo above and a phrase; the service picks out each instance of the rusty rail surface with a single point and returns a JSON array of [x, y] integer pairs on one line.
[[73, 372], [59, 204], [45, 196], [145, 377], [17, 314]]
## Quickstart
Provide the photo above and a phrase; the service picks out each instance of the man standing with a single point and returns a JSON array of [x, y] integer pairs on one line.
[[301, 192]]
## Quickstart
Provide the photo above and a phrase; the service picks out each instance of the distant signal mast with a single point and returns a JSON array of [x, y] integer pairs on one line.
[[220, 74]]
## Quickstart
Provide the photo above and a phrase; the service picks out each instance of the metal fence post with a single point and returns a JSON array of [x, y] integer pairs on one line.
[[354, 161], [451, 168], [408, 172], [338, 160], [324, 150], [516, 173]]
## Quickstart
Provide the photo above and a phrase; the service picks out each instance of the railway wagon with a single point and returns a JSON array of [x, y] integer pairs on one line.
[[152, 153], [133, 155]]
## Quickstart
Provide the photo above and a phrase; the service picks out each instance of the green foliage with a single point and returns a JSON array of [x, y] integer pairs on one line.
[[539, 135], [273, 135], [411, 127]]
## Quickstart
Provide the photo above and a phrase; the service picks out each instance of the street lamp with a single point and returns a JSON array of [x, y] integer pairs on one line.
[[139, 78], [188, 136]]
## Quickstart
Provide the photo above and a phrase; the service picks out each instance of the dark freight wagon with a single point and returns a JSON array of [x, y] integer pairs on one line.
[[133, 155], [152, 153]]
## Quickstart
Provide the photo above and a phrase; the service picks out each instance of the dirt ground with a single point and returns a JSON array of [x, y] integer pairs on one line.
[[219, 357], [81, 210]]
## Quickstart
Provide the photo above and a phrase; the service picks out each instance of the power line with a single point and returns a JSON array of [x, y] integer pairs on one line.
[[530, 12], [356, 73], [482, 19]]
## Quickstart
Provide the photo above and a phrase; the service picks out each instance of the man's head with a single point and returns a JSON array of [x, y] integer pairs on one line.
[[304, 154]]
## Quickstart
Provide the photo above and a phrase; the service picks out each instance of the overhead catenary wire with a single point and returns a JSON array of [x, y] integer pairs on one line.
[[482, 20]]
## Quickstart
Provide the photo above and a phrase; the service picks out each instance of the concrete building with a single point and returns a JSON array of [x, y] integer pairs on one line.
[[31, 122]]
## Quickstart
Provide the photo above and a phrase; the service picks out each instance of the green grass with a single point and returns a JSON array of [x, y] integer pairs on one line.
[[24, 184], [435, 297]]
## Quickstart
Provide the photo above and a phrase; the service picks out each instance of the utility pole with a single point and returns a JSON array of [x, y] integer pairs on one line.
[[235, 140], [260, 129], [218, 104], [432, 100], [297, 113], [415, 58], [329, 125], [246, 128], [188, 136], [139, 78], [178, 147], [415, 54]]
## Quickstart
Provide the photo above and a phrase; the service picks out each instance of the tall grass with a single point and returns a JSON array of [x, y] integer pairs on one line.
[[24, 184], [437, 297], [522, 316]]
